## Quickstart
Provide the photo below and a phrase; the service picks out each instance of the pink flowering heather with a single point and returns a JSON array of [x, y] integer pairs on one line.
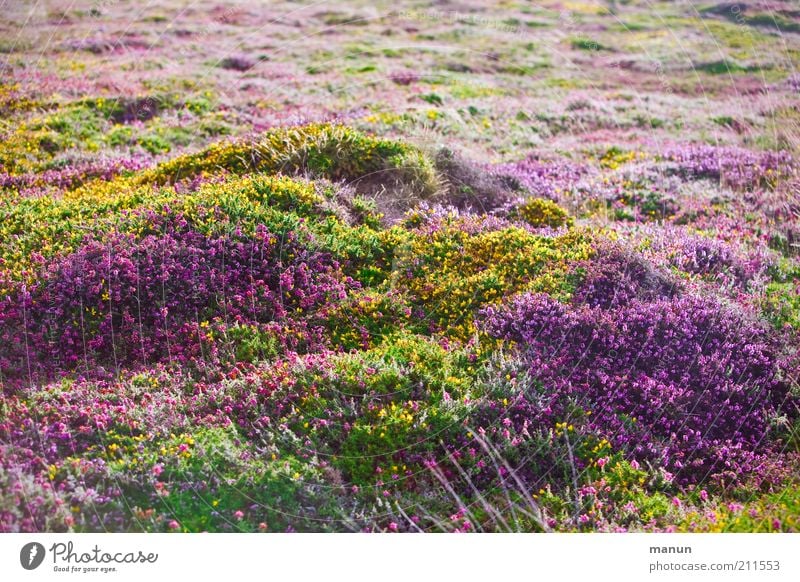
[[735, 168], [684, 382]]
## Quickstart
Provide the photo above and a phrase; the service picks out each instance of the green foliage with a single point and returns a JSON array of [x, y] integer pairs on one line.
[[781, 304], [242, 490], [330, 151], [772, 512], [432, 98], [251, 344], [721, 67], [586, 44]]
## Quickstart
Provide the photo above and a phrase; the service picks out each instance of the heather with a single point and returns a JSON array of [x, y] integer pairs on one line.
[[687, 383], [320, 275]]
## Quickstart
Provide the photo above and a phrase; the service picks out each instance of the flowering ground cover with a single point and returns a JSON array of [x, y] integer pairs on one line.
[[399, 267]]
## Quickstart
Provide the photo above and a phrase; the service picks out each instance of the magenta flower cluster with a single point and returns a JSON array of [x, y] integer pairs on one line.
[[684, 383], [139, 300], [618, 276]]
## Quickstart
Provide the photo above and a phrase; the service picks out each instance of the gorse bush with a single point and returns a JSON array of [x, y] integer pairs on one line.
[[331, 151], [542, 212]]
